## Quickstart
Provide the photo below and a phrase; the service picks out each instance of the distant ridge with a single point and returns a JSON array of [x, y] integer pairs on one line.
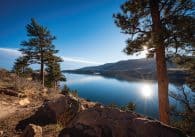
[[136, 69]]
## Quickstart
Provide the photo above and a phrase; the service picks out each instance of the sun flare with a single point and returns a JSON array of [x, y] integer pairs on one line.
[[145, 47], [146, 91]]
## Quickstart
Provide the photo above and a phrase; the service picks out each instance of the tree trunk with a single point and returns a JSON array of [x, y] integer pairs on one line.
[[42, 71], [42, 75], [160, 63], [162, 85], [55, 85]]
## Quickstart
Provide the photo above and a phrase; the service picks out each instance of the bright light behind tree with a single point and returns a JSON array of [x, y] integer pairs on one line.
[[147, 91]]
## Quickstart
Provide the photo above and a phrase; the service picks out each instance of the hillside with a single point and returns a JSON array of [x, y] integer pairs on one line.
[[131, 70]]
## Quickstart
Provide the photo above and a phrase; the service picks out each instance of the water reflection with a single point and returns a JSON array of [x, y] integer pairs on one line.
[[81, 80], [147, 91], [106, 91]]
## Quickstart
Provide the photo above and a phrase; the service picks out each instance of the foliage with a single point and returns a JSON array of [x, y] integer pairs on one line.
[[113, 105], [54, 74], [26, 86], [158, 25], [128, 107], [184, 120], [74, 93], [188, 63], [21, 67], [59, 126], [177, 22], [38, 48], [65, 90], [21, 85]]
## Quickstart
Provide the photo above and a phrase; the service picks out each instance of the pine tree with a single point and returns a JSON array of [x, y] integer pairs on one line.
[[160, 25], [54, 74], [21, 65], [39, 46]]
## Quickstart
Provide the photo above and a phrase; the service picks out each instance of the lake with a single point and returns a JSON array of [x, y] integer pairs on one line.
[[109, 90]]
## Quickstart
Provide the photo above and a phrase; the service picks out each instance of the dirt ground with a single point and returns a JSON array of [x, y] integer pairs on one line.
[[14, 109]]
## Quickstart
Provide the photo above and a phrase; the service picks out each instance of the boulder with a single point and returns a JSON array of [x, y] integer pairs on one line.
[[32, 131], [86, 104], [9, 92], [1, 132], [24, 102], [60, 109], [109, 122]]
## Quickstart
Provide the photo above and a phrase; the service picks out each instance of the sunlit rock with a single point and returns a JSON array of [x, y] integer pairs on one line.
[[109, 122], [58, 109], [24, 102], [32, 131]]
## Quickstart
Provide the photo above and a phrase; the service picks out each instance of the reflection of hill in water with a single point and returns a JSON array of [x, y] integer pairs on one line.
[[144, 69]]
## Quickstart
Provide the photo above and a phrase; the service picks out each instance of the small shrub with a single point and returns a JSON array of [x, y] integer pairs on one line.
[[113, 105], [65, 90], [58, 127], [129, 107], [74, 93]]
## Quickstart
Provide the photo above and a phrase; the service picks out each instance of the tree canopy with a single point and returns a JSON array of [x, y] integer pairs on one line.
[[177, 18], [166, 28], [39, 48]]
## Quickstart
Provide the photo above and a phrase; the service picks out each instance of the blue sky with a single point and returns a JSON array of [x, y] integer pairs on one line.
[[85, 30]]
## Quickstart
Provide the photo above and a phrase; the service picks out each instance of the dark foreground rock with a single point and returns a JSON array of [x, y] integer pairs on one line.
[[107, 122], [61, 109], [32, 131], [9, 92]]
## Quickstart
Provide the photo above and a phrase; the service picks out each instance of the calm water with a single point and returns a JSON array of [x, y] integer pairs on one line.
[[109, 90]]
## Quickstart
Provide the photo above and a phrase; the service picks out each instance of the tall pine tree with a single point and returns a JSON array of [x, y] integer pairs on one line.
[[160, 25], [38, 48]]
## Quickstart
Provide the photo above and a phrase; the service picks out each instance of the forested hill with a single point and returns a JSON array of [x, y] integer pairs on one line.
[[130, 70]]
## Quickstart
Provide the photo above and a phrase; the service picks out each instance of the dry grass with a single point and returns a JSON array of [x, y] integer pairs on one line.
[[24, 86]]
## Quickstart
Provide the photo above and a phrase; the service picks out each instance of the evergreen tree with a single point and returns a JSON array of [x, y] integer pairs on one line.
[[38, 47], [21, 65], [159, 25], [54, 74]]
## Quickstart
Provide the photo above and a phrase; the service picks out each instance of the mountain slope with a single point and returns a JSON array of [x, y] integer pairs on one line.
[[131, 70], [124, 65]]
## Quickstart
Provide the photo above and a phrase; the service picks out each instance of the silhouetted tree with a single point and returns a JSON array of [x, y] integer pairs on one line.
[[38, 48], [187, 62], [183, 119], [159, 25]]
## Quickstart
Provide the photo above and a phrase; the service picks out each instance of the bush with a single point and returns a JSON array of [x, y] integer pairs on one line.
[[65, 90], [128, 107]]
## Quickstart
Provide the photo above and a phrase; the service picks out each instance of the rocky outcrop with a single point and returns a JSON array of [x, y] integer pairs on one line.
[[109, 122], [24, 102], [1, 132], [61, 109], [9, 92], [81, 119], [32, 131]]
